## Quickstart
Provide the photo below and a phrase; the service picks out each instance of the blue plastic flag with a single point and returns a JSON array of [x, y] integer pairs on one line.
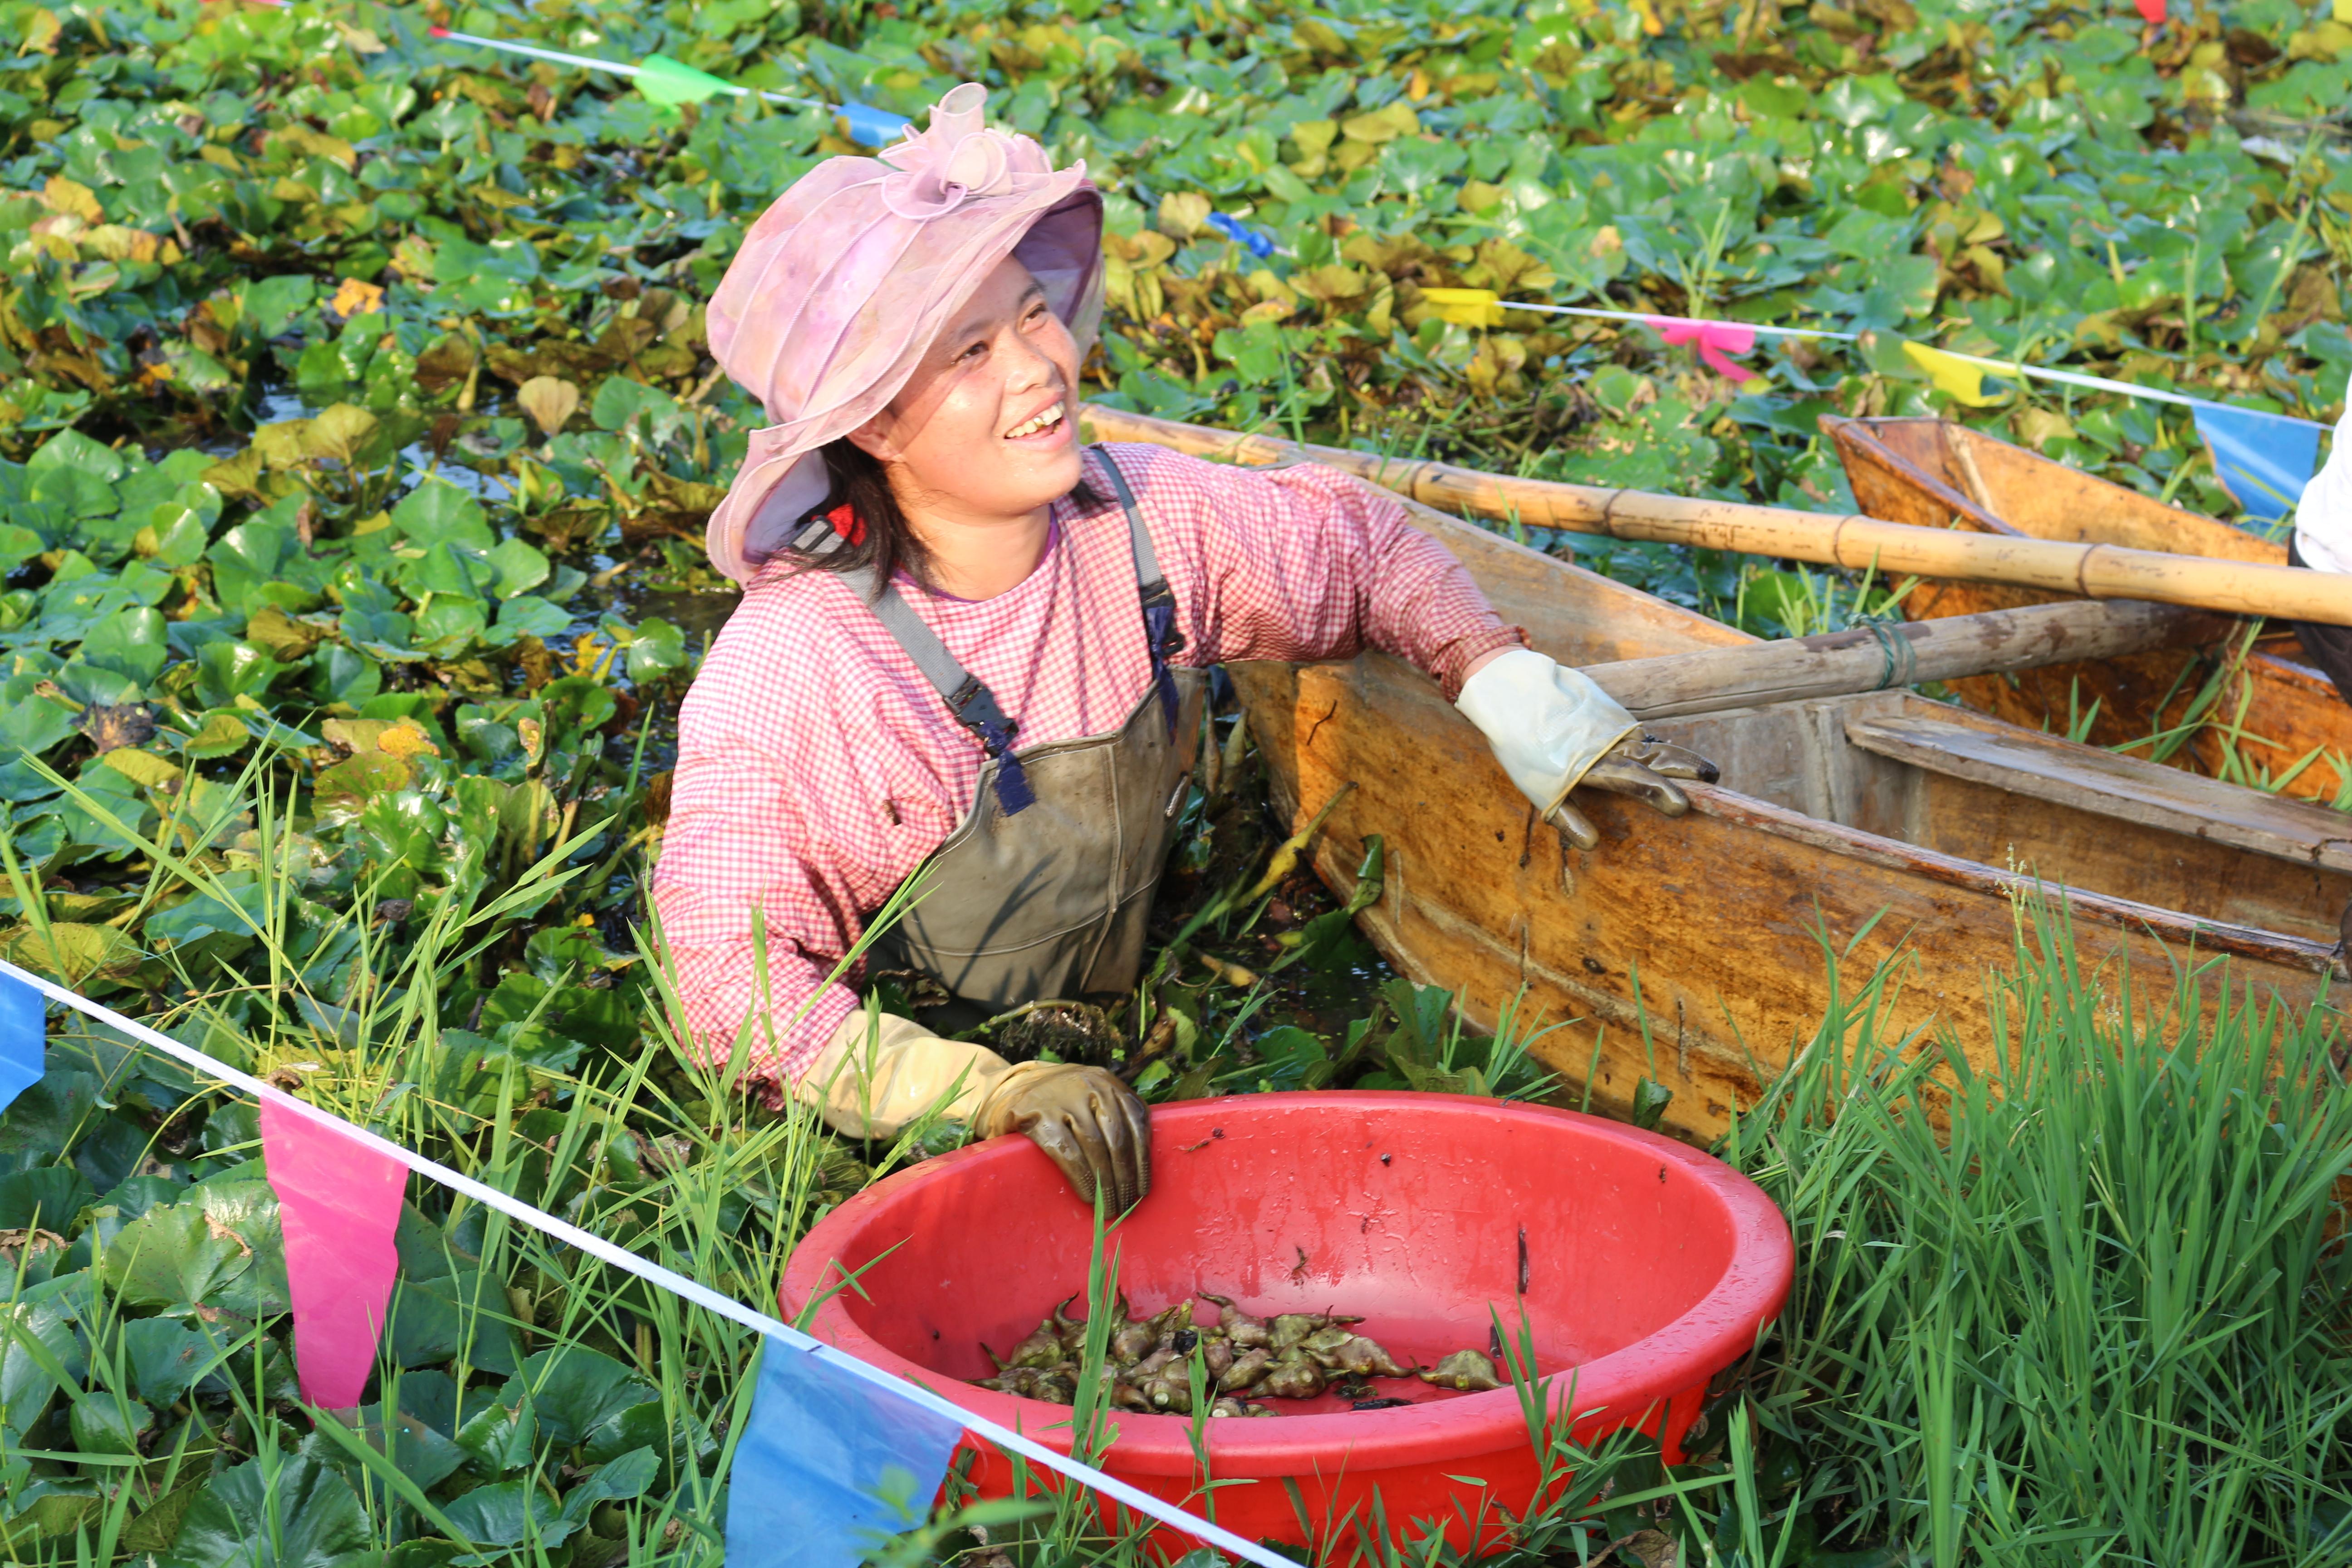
[[829, 1464], [24, 1038], [873, 126], [2265, 458], [1233, 229]]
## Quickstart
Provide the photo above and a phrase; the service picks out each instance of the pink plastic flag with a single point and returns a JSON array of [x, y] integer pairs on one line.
[[339, 1202], [1718, 342]]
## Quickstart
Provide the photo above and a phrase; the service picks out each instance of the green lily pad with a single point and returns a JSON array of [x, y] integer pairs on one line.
[[288, 1511]]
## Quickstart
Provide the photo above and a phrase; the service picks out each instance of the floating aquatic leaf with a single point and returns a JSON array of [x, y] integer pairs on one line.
[[290, 1511], [550, 401]]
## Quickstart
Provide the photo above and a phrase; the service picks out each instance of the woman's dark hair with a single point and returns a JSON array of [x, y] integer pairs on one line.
[[887, 542]]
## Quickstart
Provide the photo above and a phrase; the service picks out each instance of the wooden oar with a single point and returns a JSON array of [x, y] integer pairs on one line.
[[1894, 549], [1879, 657]]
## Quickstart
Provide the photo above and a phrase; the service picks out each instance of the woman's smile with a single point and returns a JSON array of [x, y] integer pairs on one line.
[[1047, 427]]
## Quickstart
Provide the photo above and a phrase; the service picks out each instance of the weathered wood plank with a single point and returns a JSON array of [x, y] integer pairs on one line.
[[2102, 783], [1878, 657]]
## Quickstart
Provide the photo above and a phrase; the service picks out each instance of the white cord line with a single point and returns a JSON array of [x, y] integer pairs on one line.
[[1143, 1502], [591, 62], [1648, 319], [2101, 384]]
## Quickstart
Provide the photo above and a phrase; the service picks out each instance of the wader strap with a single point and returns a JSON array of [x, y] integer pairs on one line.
[[1160, 633], [972, 704]]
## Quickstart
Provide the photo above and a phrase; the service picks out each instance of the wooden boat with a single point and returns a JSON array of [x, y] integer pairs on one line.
[[1883, 825], [2249, 707]]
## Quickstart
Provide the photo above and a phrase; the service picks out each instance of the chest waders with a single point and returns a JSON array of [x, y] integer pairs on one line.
[[1044, 888]]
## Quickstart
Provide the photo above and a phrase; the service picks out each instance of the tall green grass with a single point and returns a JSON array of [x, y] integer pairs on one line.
[[2089, 1306], [2086, 1307]]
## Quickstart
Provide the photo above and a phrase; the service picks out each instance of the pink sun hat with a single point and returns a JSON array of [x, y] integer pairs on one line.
[[841, 286]]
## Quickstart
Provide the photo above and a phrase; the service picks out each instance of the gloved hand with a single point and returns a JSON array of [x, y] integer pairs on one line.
[[1087, 1121], [1553, 729], [871, 1081]]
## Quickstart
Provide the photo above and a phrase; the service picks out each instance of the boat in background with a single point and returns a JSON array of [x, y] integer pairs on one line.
[[2250, 707], [1886, 826]]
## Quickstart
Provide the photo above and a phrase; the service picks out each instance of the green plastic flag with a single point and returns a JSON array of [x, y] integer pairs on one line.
[[672, 82]]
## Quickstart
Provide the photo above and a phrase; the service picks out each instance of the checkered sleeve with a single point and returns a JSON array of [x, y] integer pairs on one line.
[[1307, 563], [767, 863]]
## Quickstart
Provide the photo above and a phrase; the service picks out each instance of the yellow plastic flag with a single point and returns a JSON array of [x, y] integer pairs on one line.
[[2343, 12], [1465, 307], [1953, 376]]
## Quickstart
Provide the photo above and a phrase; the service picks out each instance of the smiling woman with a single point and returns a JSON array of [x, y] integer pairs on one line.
[[934, 570]]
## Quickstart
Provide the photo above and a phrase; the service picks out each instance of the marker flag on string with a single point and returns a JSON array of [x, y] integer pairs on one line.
[[1718, 342], [1465, 307], [827, 1464], [2151, 12], [2266, 460], [672, 82], [1954, 376], [1233, 229], [24, 1038], [339, 1202]]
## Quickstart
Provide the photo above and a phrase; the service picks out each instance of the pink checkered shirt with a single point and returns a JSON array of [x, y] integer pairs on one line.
[[817, 768]]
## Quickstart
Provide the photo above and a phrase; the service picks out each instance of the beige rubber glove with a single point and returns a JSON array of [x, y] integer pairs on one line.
[[870, 1083], [879, 1072], [1553, 729]]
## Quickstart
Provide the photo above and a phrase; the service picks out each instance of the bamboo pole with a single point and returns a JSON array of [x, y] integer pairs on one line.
[[1879, 657], [1893, 548]]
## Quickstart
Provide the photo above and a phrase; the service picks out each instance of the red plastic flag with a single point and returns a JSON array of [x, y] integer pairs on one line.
[[1716, 340], [339, 1202], [2151, 12]]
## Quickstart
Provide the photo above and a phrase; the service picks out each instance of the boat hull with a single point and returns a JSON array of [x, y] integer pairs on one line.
[[1694, 950]]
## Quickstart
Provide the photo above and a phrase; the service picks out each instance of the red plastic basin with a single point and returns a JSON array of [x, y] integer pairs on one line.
[[1649, 1267]]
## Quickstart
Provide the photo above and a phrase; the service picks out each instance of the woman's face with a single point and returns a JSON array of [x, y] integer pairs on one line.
[[987, 428]]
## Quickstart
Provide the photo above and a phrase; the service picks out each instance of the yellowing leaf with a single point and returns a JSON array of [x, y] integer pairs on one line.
[[339, 432], [549, 400], [41, 32], [113, 242], [224, 734], [285, 637], [79, 955], [1383, 124], [405, 740], [2040, 426], [356, 297], [64, 195], [1184, 214], [316, 143], [144, 769], [1331, 281], [1315, 136]]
